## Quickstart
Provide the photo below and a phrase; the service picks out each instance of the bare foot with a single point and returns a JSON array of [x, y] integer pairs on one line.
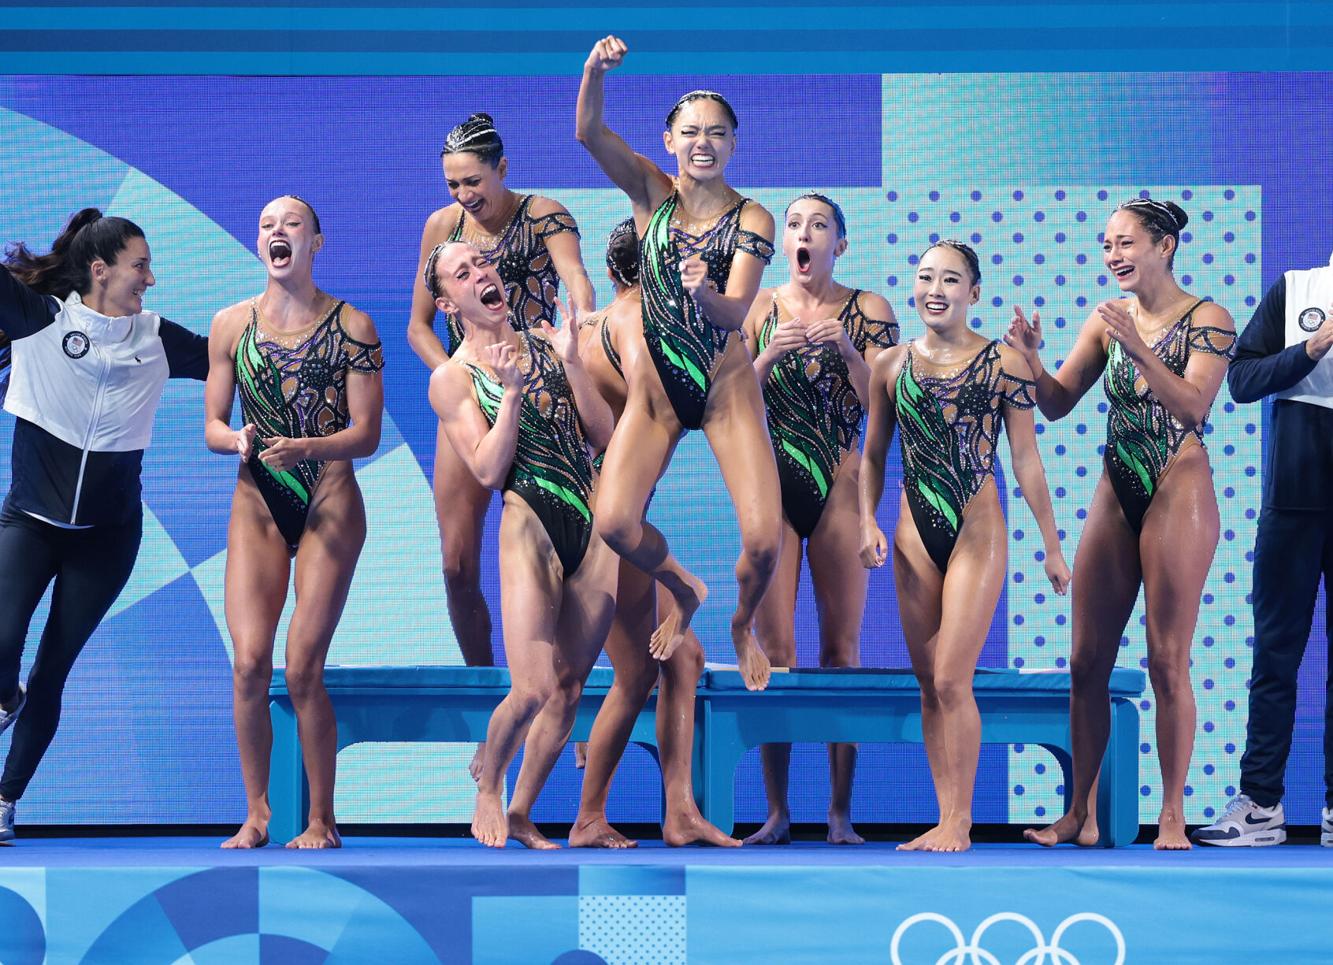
[[478, 760], [840, 830], [580, 754], [253, 834], [1082, 831], [776, 830], [1171, 833], [679, 830], [919, 842], [318, 835], [489, 824], [750, 659], [522, 830], [671, 632], [950, 836], [596, 832]]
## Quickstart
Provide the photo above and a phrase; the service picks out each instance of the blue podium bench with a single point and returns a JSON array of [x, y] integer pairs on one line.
[[438, 704]]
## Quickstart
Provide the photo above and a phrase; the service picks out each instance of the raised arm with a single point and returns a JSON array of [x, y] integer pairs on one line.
[[880, 424], [728, 311], [1058, 394], [1264, 363], [220, 387], [421, 323], [642, 181], [488, 450]]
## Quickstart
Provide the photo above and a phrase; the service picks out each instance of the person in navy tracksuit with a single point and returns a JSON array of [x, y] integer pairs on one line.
[[87, 366]]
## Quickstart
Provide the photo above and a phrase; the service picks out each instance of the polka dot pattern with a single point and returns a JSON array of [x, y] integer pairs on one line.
[[634, 929]]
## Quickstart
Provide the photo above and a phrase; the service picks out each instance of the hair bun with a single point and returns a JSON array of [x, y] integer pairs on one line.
[[483, 117], [1178, 213]]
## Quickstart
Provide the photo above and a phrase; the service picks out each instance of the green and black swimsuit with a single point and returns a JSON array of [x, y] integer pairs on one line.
[[948, 428], [552, 469], [295, 386], [814, 413], [1142, 437], [524, 264], [684, 346]]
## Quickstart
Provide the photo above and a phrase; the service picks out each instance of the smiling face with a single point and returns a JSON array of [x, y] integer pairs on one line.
[[120, 285], [470, 286], [944, 289], [474, 184], [1130, 255], [810, 239], [287, 237], [702, 139]]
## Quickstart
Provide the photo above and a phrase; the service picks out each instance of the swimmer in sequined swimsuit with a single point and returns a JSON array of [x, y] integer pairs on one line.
[[610, 342], [523, 410], [814, 342], [1153, 521], [534, 243], [312, 397], [949, 393], [703, 254]]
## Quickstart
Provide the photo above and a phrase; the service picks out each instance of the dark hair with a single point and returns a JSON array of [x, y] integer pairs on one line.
[[833, 206], [622, 253], [310, 207], [970, 256], [695, 95], [430, 276], [1159, 218], [476, 135], [86, 237]]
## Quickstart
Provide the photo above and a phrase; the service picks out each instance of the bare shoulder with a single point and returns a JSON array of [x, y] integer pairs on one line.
[[542, 206], [1014, 363], [228, 323], [876, 306], [889, 362], [440, 224], [1213, 315], [358, 324], [755, 217]]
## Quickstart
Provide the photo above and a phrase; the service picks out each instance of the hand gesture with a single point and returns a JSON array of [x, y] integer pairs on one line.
[[787, 336], [565, 339], [1318, 344], [829, 330], [693, 274], [606, 54], [245, 440], [282, 453], [874, 546], [1120, 327], [1057, 571], [1024, 336], [503, 358]]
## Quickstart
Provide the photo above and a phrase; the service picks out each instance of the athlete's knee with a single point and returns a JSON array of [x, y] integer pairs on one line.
[[305, 681], [621, 529], [686, 665], [780, 648], [252, 673], [761, 547], [953, 690], [840, 649], [1087, 673], [1170, 677], [636, 683], [462, 568]]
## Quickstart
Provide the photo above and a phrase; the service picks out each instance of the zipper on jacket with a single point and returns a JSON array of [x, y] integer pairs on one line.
[[92, 429]]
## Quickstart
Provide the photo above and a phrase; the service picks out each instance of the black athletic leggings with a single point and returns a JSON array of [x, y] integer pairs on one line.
[[90, 568]]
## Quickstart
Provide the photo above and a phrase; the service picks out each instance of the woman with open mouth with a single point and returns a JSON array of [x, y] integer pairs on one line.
[[1153, 521], [948, 393], [88, 368], [815, 341], [704, 248], [308, 369], [520, 410], [534, 242]]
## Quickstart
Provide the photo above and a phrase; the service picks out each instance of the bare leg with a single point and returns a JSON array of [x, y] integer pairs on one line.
[[840, 593], [776, 631], [325, 563], [1103, 597], [737, 432], [460, 509], [1178, 541], [257, 571]]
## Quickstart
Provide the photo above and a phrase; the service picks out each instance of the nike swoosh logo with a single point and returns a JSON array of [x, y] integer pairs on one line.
[[1249, 819]]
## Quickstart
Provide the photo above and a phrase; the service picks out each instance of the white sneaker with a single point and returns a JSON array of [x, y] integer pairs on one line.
[[8, 718], [1326, 828], [6, 820], [1244, 824]]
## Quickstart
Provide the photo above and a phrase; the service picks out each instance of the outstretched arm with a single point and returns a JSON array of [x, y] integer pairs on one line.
[[1058, 394]]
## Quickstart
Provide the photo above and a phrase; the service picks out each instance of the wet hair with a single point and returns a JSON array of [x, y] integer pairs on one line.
[[1159, 218], [309, 207], [833, 206], [970, 256], [431, 275], [696, 95], [622, 254], [476, 135], [67, 266]]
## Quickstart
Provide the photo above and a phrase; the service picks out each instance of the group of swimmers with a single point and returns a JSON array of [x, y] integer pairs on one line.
[[575, 414]]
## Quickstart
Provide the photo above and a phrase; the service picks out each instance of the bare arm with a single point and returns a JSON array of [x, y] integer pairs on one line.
[[880, 425], [488, 450], [567, 257], [421, 323], [878, 309], [594, 413], [728, 311], [365, 406], [220, 387], [1058, 394]]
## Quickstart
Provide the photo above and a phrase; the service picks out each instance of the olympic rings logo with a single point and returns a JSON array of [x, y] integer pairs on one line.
[[970, 952]]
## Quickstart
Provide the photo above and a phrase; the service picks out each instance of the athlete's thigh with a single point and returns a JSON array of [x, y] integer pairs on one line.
[[530, 592], [257, 573], [1106, 579], [839, 579], [1177, 546], [919, 586], [737, 431]]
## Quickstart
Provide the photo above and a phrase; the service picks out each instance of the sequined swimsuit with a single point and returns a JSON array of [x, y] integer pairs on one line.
[[948, 429], [814, 413], [1142, 437], [683, 344], [551, 470], [524, 264], [297, 391]]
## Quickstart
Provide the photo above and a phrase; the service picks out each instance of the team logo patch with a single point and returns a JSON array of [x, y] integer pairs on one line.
[[1311, 319], [76, 345]]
